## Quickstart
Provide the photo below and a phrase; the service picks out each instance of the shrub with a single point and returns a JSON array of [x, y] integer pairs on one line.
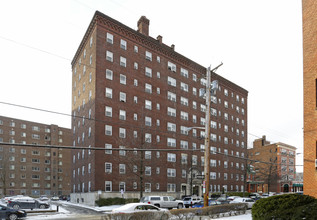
[[212, 211], [114, 201], [284, 207]]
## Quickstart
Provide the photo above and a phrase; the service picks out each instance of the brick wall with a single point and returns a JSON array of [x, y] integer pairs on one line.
[[310, 113]]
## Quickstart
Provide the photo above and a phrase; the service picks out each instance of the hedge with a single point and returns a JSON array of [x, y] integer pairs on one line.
[[282, 207]]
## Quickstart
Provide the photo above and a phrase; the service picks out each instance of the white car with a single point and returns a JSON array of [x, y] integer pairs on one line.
[[142, 207], [230, 198], [249, 201]]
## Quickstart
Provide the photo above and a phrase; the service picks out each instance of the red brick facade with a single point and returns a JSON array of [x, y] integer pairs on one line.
[[141, 76], [310, 99], [31, 170], [274, 165]]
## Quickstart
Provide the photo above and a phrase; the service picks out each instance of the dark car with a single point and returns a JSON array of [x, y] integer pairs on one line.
[[27, 203], [210, 203], [10, 213]]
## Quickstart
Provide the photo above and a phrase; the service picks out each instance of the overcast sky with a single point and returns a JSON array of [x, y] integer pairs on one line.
[[258, 41]]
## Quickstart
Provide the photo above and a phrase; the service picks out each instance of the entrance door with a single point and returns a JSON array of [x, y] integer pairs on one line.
[[196, 190], [286, 188]]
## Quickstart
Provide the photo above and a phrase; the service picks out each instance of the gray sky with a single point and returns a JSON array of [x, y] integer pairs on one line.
[[258, 41]]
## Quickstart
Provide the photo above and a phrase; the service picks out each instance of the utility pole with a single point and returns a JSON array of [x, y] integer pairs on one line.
[[209, 88]]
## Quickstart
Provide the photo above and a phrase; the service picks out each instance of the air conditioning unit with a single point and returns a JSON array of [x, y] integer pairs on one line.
[[316, 163]]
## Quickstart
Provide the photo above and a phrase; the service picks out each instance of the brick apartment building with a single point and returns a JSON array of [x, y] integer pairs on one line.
[[309, 8], [274, 165], [30, 170], [131, 91]]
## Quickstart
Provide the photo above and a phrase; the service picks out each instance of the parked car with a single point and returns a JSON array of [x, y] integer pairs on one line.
[[230, 198], [191, 200], [7, 198], [255, 196], [27, 203], [249, 201], [10, 213], [55, 198], [43, 198], [223, 200], [210, 203], [168, 202], [141, 207]]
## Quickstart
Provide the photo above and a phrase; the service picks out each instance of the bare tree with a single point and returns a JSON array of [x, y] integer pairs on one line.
[[4, 167]]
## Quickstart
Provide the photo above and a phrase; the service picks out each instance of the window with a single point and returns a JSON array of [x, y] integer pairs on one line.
[[122, 168], [158, 59], [122, 152], [171, 127], [109, 38], [108, 148], [109, 93], [148, 88], [109, 56], [171, 112], [147, 187], [123, 79], [122, 132], [184, 159], [108, 129], [184, 144], [108, 167], [171, 66], [148, 104], [148, 121], [147, 171], [184, 72], [171, 96], [136, 49], [184, 87], [171, 81], [136, 66], [91, 41], [194, 77], [171, 187], [108, 186], [148, 138], [148, 155], [108, 111], [184, 116], [109, 74], [123, 97], [184, 101], [148, 71], [171, 172], [148, 55], [171, 157], [123, 44], [123, 61], [171, 142]]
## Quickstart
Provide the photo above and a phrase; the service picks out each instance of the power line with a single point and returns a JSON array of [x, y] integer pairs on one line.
[[135, 149]]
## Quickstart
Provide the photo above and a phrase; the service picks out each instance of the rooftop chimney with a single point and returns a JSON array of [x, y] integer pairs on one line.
[[143, 25], [159, 38], [173, 47]]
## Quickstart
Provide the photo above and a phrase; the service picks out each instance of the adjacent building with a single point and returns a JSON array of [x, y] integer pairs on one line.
[[137, 110], [28, 169], [309, 8], [274, 165]]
